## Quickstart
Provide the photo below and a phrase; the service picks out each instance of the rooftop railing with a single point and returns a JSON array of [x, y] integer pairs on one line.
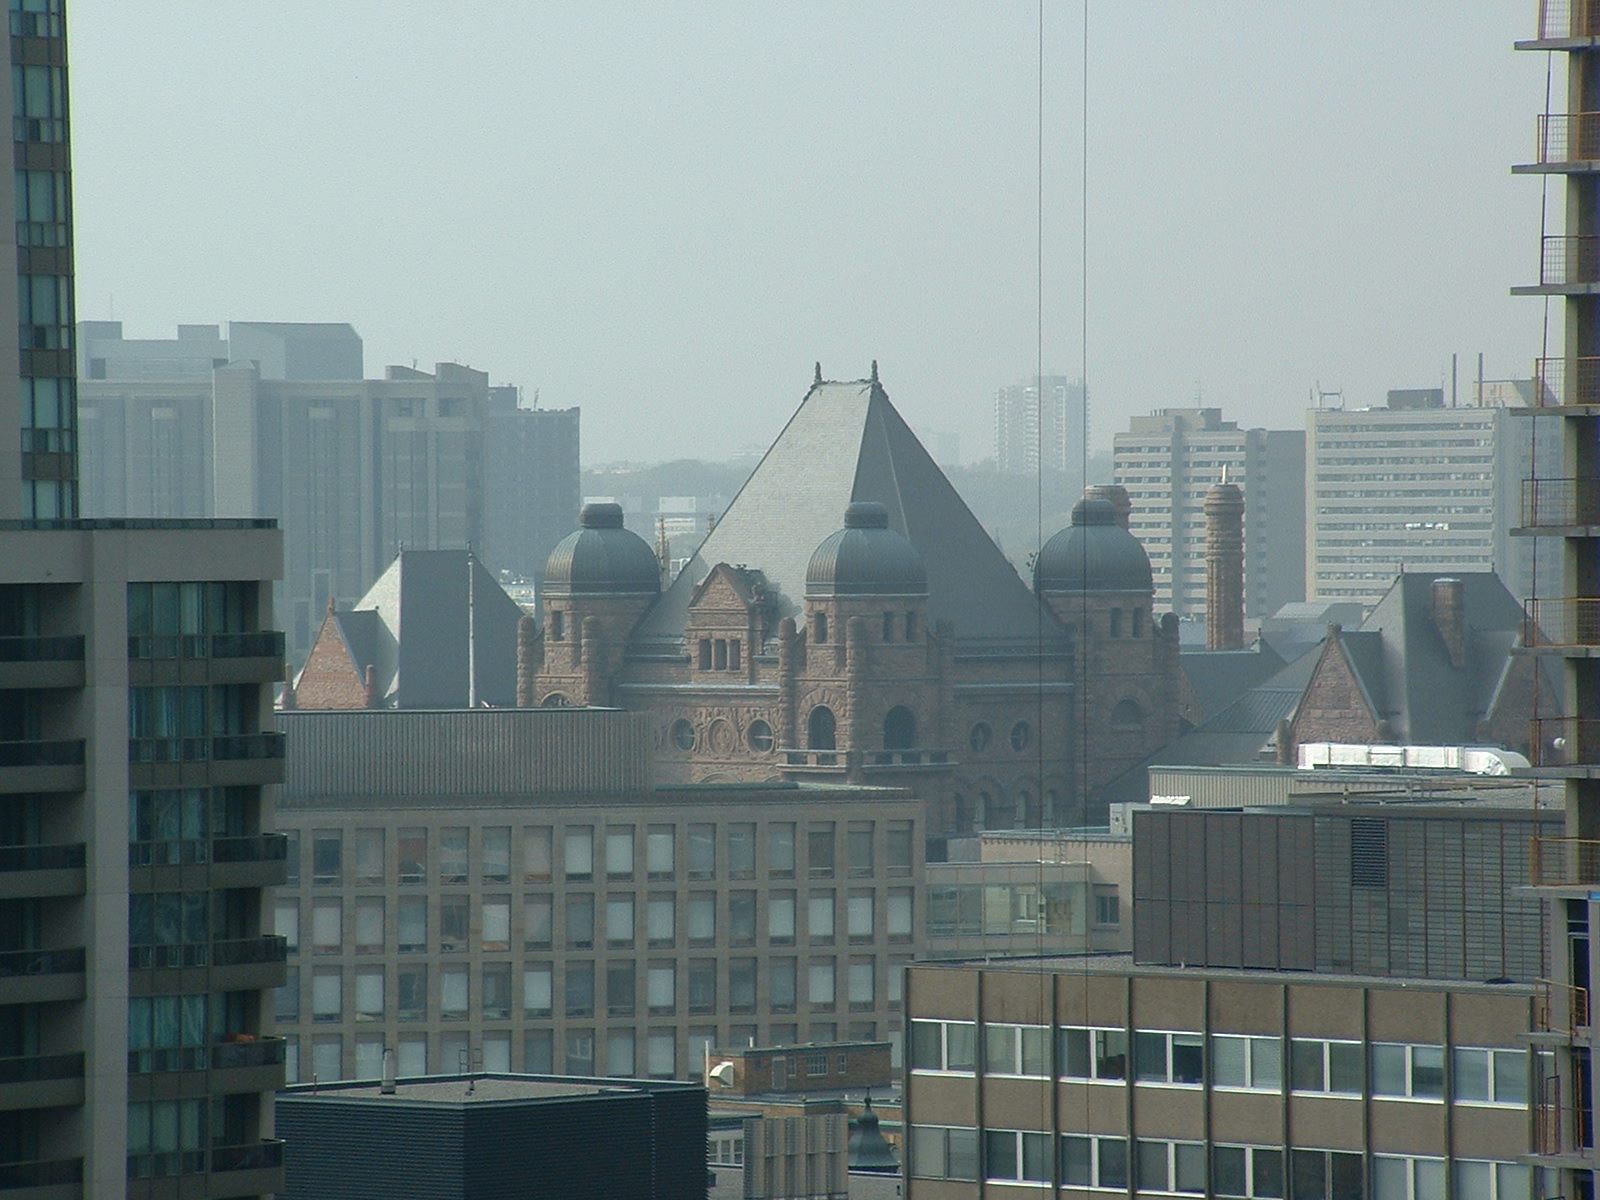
[[1563, 862], [1560, 1007]]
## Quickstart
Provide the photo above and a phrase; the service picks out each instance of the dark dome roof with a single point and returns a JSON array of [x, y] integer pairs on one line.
[[1093, 554], [601, 558], [866, 558], [869, 1150]]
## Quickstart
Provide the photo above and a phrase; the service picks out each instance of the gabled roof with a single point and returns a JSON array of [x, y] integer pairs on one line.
[[426, 604], [364, 637], [1429, 701], [845, 443]]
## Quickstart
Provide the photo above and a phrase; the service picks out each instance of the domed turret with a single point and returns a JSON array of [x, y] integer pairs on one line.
[[601, 558], [1093, 554], [869, 1150], [866, 558]]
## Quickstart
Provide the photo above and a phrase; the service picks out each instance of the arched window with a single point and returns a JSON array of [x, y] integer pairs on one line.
[[1116, 622], [888, 627], [820, 625], [556, 700], [1127, 714], [1138, 622], [899, 728], [820, 728], [705, 654]]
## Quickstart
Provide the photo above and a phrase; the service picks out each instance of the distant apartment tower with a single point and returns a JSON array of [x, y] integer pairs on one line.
[[1170, 459], [276, 421], [1412, 486], [531, 492], [1039, 424], [136, 668]]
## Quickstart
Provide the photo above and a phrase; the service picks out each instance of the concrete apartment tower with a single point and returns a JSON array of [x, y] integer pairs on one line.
[[1224, 566], [136, 673], [1561, 503]]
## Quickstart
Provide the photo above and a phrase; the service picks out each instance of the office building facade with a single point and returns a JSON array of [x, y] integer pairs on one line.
[[1403, 489], [353, 469], [505, 889], [1169, 460], [1092, 1075], [531, 488]]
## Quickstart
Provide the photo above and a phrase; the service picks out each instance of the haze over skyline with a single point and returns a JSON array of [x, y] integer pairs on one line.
[[665, 216]]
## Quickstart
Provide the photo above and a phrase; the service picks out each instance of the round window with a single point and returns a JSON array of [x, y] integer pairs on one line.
[[683, 735], [759, 735], [981, 736], [1021, 736]]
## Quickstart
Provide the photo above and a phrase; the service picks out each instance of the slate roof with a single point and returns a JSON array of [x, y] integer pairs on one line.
[[845, 443], [421, 601], [1428, 701], [364, 641], [1219, 677]]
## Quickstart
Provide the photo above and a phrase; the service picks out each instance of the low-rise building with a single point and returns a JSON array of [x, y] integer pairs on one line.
[[506, 887], [494, 1137], [1093, 1074]]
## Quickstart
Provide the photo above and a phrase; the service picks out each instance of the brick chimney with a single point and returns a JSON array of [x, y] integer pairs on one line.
[[1449, 603], [1224, 509], [527, 660]]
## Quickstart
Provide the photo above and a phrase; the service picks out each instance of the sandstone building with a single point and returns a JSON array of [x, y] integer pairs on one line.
[[849, 618]]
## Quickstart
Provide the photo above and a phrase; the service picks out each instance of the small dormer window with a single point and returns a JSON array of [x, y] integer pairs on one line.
[[820, 624], [558, 625]]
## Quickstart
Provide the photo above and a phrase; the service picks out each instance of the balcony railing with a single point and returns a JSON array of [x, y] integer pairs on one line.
[[42, 649], [41, 962], [234, 952], [1558, 381], [1569, 137], [1560, 1007], [263, 1052], [906, 758], [262, 847], [39, 1067], [54, 1173], [1568, 19], [1564, 742], [41, 858], [1570, 260], [255, 1156], [1555, 503], [1563, 862], [42, 754], [264, 644], [229, 747], [1567, 621]]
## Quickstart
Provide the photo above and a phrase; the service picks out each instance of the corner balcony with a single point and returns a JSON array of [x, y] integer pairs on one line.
[[252, 861], [58, 1179], [1565, 863], [41, 662], [1563, 1133], [245, 758], [1567, 626], [1560, 508], [212, 657], [231, 965], [1565, 25], [1560, 1009], [1568, 266], [38, 976], [39, 766], [31, 872], [41, 1081], [252, 1169], [1565, 747], [1565, 144]]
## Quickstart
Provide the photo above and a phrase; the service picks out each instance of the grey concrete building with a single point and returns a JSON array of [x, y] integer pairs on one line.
[[353, 469], [1167, 462], [136, 667], [1092, 1075], [507, 888], [531, 484], [1413, 489]]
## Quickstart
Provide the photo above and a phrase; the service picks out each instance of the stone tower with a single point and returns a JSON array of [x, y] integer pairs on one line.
[[1224, 566]]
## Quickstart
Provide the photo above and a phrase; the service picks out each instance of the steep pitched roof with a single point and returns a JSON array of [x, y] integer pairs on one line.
[[846, 442], [1429, 701], [422, 601], [1219, 677]]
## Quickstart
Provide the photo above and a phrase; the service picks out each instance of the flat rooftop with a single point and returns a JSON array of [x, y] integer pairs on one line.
[[457, 1090], [1123, 964]]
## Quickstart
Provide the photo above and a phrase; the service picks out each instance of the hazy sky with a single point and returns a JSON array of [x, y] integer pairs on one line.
[[665, 213]]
